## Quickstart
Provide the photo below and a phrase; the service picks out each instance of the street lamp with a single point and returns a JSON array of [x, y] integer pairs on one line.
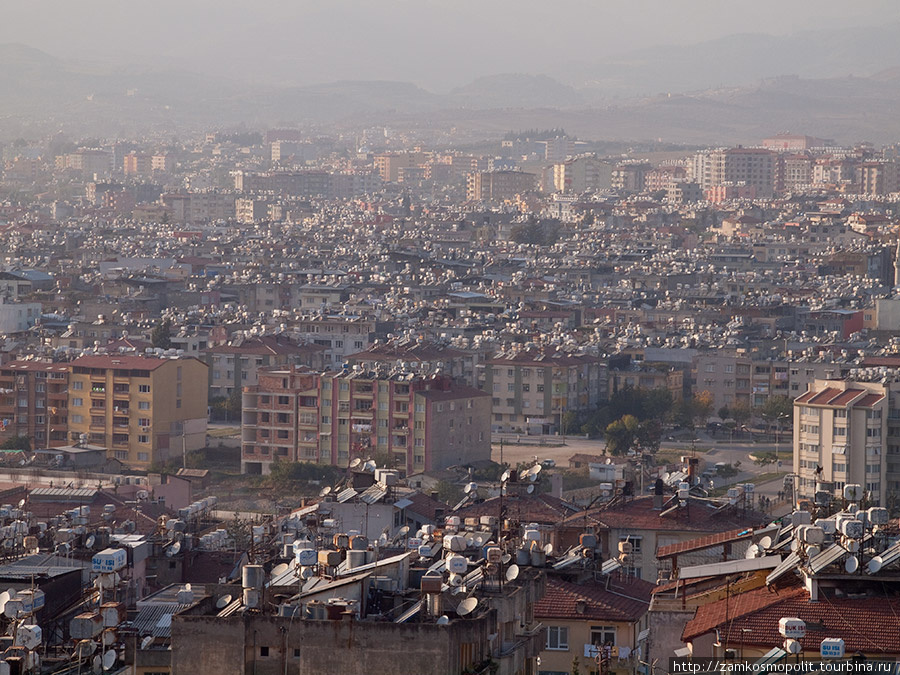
[[778, 420]]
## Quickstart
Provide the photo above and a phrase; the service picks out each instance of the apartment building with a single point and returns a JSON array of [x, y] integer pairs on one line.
[[34, 402], [237, 364], [421, 423], [740, 378], [532, 389], [630, 177], [144, 410], [498, 186], [340, 335], [581, 174], [750, 167], [848, 431]]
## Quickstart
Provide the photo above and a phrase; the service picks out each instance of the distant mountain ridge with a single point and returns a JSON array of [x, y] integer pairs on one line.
[[90, 99]]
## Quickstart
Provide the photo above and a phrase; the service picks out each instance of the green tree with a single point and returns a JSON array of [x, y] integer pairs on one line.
[[16, 443], [576, 666], [777, 410], [741, 413], [161, 336], [649, 435], [621, 435], [448, 492]]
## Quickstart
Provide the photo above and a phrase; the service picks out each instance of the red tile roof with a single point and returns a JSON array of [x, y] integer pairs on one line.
[[824, 396], [845, 397], [700, 543], [626, 599], [869, 625], [698, 516], [536, 508], [868, 401]]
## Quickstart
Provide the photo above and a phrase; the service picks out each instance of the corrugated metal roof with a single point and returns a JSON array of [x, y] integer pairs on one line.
[[374, 494], [346, 495], [63, 493], [156, 619]]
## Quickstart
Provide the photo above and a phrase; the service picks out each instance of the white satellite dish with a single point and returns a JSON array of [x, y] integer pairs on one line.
[[535, 470], [97, 666], [355, 462], [443, 620], [370, 466], [278, 570], [470, 542], [512, 573], [89, 542], [223, 602], [530, 489], [752, 551], [4, 598], [21, 503], [765, 542], [467, 606], [325, 491], [146, 642], [875, 564], [109, 659], [470, 487], [505, 558], [504, 476], [852, 564], [403, 531], [548, 549], [173, 549]]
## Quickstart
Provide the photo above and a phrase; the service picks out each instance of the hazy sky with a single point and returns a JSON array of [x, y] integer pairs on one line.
[[435, 43]]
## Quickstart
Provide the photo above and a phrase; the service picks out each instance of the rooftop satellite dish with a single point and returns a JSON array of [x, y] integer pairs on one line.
[[443, 620], [548, 549], [21, 503], [370, 466], [223, 602], [89, 542], [535, 470], [278, 570], [109, 658], [97, 666], [355, 462], [325, 491], [875, 564], [504, 476], [467, 606], [765, 542], [4, 598], [852, 564], [403, 531], [512, 573], [470, 487], [752, 551], [505, 558], [146, 642], [173, 549], [530, 489]]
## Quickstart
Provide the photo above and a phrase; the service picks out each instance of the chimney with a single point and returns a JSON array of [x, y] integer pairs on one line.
[[556, 485]]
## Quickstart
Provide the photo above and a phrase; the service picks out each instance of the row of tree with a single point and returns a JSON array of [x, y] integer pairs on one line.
[[635, 419]]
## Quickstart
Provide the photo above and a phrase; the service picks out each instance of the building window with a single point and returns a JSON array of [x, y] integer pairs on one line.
[[143, 439], [603, 635], [77, 402], [122, 455], [143, 456], [144, 388], [557, 638], [77, 385], [263, 651]]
